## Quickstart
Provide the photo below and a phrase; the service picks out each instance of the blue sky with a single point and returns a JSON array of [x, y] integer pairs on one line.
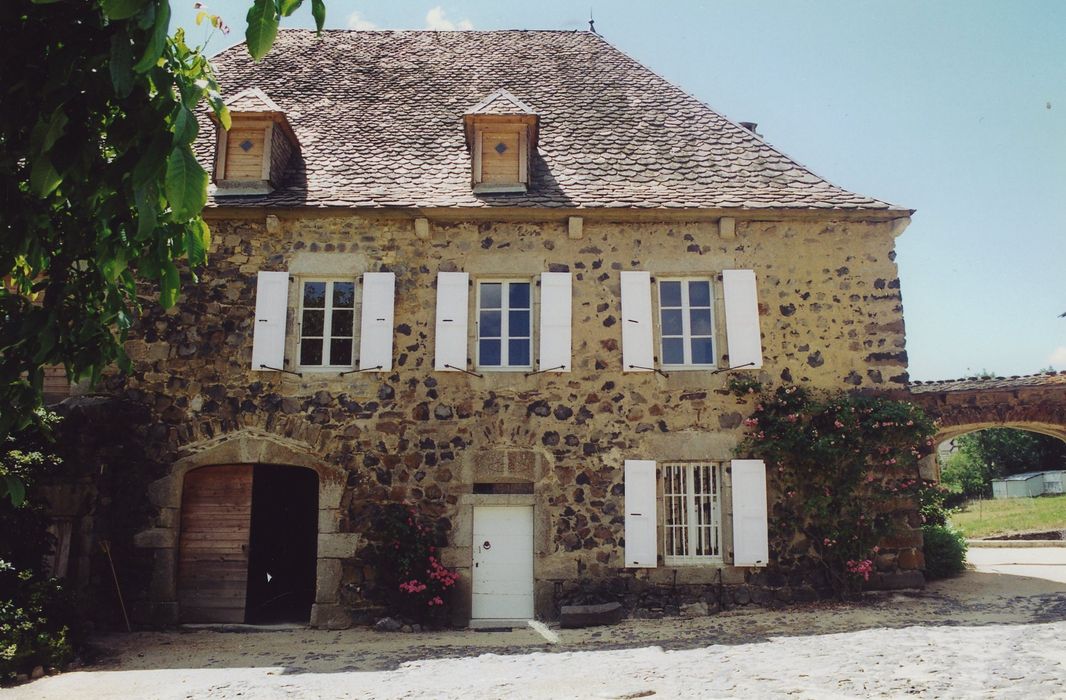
[[956, 109]]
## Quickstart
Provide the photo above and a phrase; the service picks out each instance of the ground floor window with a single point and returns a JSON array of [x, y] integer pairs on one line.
[[692, 493]]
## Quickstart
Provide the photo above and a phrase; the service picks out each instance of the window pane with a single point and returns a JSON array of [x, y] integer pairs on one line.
[[672, 322], [673, 351], [342, 324], [518, 295], [489, 324], [518, 352], [699, 293], [315, 294], [340, 352], [311, 352], [518, 324], [670, 294], [700, 321], [702, 352], [344, 294], [489, 353], [312, 323], [490, 295]]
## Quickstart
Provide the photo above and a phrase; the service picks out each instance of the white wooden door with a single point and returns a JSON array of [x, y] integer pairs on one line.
[[503, 563]]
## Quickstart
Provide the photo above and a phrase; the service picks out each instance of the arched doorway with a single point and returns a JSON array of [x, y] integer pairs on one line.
[[248, 544]]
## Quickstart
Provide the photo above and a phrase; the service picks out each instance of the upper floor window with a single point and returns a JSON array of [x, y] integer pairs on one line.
[[686, 322], [327, 323], [505, 324]]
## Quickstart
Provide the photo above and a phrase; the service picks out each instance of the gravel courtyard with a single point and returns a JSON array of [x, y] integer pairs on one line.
[[997, 631]]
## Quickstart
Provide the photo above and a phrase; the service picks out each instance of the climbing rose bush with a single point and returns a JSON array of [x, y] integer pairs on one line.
[[842, 463], [411, 580]]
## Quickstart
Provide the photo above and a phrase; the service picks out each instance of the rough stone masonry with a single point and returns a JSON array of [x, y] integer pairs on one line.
[[831, 317]]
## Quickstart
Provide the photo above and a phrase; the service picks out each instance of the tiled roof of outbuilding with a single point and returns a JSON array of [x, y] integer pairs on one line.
[[1044, 379], [379, 119]]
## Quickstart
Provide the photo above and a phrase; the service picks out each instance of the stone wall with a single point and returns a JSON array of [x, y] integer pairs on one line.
[[831, 317]]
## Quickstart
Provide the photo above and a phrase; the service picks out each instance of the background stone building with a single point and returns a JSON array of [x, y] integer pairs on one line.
[[504, 277]]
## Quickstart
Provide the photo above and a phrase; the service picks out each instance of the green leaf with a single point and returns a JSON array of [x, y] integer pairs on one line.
[[113, 266], [121, 64], [14, 489], [318, 9], [46, 133], [262, 27], [169, 285], [197, 241], [158, 38], [186, 183], [122, 9], [290, 6], [185, 126], [43, 177]]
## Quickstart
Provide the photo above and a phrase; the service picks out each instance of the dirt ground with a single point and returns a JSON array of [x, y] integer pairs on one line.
[[998, 631]]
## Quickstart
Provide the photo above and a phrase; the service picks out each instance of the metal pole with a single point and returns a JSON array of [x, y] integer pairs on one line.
[[106, 546]]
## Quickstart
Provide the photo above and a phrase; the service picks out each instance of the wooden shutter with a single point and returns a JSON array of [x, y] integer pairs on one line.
[[271, 309], [637, 343], [641, 541], [742, 318], [216, 512], [451, 329], [375, 330], [555, 321], [750, 543]]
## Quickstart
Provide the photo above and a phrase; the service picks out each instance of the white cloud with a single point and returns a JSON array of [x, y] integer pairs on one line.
[[436, 20], [356, 21], [1058, 356]]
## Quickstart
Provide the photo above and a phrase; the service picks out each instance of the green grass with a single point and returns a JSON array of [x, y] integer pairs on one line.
[[1010, 515]]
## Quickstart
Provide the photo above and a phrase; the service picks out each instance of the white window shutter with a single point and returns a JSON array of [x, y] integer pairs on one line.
[[637, 343], [555, 321], [641, 542], [742, 318], [451, 329], [750, 532], [271, 309], [375, 330]]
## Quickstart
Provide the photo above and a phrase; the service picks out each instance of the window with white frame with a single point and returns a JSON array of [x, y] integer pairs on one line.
[[686, 322], [327, 323], [505, 324], [692, 497]]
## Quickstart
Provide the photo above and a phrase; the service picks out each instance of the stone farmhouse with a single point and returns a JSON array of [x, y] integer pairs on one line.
[[504, 277]]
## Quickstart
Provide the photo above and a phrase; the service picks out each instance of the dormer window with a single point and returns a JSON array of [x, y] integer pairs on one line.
[[501, 134], [252, 156]]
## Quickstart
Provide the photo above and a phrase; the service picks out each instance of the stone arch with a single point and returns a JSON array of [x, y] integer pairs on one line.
[[248, 446]]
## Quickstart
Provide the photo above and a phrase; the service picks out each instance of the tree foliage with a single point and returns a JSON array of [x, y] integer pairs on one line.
[[1007, 451], [99, 185]]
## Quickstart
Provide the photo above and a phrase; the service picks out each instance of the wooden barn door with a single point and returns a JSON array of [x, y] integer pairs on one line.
[[216, 516]]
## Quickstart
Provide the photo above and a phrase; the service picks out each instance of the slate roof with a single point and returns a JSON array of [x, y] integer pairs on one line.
[[1046, 379], [379, 116]]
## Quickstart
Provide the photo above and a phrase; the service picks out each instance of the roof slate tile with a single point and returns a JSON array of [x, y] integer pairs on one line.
[[379, 116]]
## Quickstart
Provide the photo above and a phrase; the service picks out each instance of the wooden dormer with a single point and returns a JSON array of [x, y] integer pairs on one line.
[[501, 135], [252, 156]]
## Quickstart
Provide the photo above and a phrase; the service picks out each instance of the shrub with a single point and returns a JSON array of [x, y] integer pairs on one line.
[[33, 611], [945, 551], [411, 580], [36, 615], [842, 461], [932, 503]]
